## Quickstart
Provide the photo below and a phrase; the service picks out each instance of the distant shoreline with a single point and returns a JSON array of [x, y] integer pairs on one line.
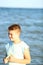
[[19, 8]]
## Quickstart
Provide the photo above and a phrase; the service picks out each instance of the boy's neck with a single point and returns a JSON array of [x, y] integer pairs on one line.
[[17, 41]]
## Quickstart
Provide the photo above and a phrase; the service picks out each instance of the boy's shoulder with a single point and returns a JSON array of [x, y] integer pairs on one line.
[[25, 45], [8, 44]]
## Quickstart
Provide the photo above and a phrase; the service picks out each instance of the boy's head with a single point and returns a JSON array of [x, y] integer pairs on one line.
[[14, 31]]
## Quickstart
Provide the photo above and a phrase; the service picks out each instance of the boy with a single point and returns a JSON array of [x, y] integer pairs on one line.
[[18, 51]]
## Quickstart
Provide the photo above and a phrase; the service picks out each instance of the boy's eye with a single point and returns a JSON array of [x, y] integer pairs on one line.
[[9, 34]]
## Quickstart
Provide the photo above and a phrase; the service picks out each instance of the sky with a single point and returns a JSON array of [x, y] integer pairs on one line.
[[21, 3]]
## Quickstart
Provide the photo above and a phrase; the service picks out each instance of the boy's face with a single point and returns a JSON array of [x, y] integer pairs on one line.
[[13, 34]]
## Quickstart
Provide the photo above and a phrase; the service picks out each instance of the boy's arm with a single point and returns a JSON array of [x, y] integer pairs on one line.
[[26, 60], [6, 58]]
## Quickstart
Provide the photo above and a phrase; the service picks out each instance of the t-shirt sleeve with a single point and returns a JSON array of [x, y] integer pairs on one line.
[[25, 46], [5, 49], [7, 46], [8, 49]]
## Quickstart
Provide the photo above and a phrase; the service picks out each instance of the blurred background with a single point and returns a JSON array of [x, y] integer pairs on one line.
[[31, 21]]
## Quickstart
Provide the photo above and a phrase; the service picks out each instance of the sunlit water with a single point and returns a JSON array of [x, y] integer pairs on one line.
[[31, 22]]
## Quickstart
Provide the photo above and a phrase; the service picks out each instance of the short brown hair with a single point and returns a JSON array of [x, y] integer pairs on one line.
[[14, 27]]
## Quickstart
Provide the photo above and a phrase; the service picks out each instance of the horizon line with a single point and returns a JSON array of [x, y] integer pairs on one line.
[[24, 7]]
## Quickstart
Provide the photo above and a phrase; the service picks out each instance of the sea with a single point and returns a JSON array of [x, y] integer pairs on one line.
[[31, 22]]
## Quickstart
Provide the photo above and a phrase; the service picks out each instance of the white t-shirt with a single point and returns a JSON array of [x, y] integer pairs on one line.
[[17, 50]]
